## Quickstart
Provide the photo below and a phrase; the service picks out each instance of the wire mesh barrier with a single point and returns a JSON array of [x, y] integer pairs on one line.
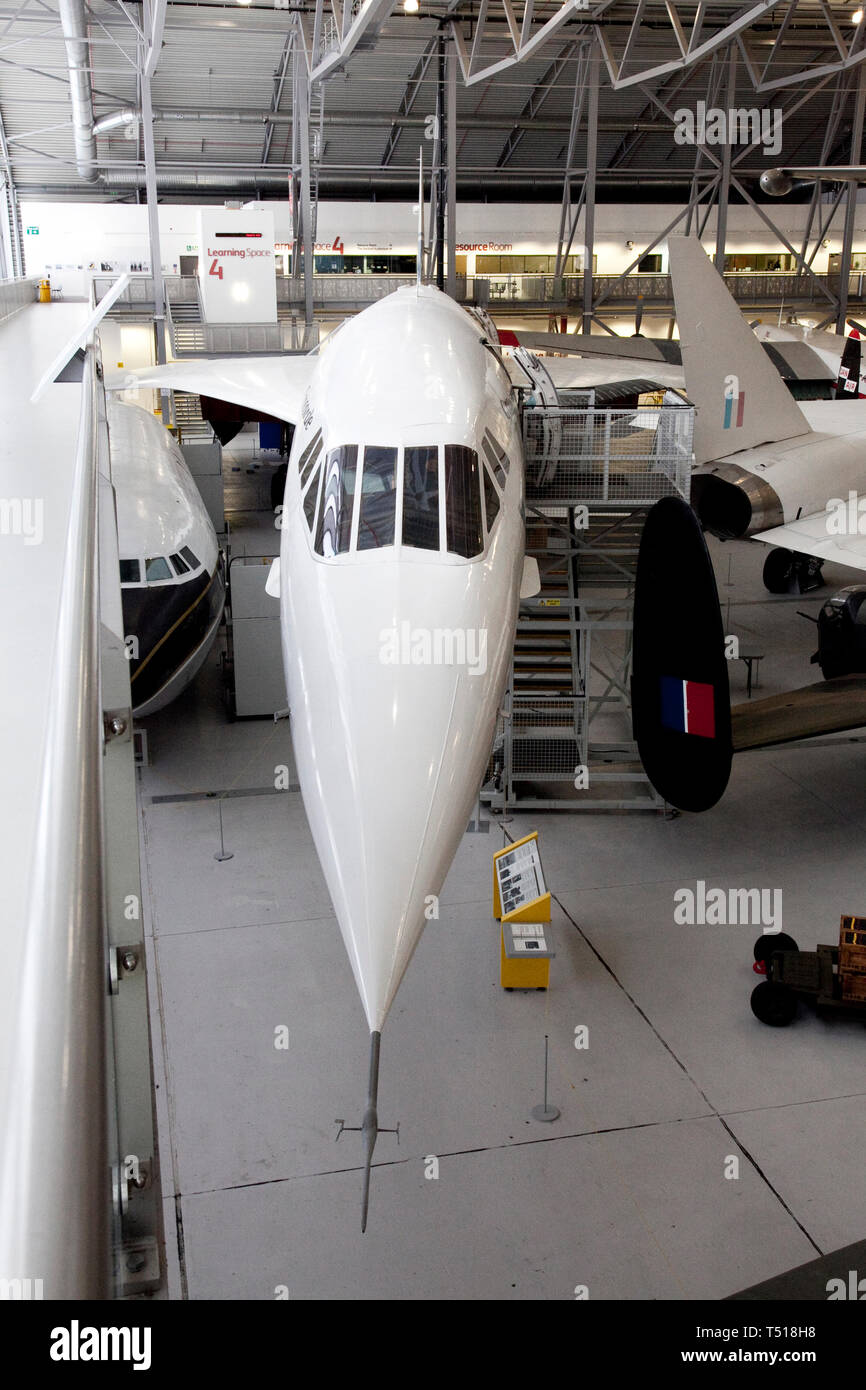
[[339, 289], [539, 739], [586, 454], [542, 757], [622, 291], [178, 288]]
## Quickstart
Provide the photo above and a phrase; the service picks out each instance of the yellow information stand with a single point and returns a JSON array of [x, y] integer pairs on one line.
[[522, 904]]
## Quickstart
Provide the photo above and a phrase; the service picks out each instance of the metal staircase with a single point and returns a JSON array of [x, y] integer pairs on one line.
[[564, 736], [185, 326]]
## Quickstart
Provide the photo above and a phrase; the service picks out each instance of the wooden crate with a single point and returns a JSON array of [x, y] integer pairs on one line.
[[852, 957]]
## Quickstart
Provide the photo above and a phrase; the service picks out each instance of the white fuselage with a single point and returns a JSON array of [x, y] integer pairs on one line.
[[396, 653], [808, 469], [171, 587]]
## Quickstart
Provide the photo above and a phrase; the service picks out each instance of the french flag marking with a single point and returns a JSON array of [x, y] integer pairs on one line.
[[688, 707]]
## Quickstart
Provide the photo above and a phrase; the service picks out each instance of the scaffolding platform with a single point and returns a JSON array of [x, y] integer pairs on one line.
[[564, 736]]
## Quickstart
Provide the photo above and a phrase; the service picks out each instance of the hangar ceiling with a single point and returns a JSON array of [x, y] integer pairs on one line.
[[223, 81]]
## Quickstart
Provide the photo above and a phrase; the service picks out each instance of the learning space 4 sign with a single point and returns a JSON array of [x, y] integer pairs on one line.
[[236, 265]]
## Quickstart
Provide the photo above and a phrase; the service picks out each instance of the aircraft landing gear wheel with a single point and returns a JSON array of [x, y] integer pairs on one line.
[[779, 570], [773, 1004], [770, 942]]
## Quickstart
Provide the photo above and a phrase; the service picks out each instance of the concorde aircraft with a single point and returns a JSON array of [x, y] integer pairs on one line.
[[171, 577], [400, 569]]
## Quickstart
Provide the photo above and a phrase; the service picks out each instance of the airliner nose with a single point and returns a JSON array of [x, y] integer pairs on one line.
[[396, 743]]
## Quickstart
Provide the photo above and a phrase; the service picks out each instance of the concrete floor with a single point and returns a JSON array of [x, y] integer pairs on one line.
[[626, 1194]]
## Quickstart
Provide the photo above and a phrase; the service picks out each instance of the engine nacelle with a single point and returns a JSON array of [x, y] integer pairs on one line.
[[842, 633]]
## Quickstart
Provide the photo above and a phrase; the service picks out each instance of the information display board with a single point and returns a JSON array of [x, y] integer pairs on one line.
[[236, 267], [519, 892]]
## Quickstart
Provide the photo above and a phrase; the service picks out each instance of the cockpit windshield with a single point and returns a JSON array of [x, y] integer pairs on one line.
[[431, 497], [378, 514], [334, 530], [421, 497]]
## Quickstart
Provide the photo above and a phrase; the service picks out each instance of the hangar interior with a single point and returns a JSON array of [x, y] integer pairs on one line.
[[213, 188]]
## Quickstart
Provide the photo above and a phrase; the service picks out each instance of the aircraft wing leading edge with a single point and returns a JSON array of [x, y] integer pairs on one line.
[[811, 535], [273, 385], [574, 374]]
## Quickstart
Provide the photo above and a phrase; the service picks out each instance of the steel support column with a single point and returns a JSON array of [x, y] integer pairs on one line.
[[451, 171], [569, 215], [440, 147], [589, 198], [725, 181], [12, 228], [851, 202], [145, 69], [301, 124]]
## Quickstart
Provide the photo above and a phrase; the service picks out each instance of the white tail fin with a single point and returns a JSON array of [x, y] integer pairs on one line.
[[741, 399]]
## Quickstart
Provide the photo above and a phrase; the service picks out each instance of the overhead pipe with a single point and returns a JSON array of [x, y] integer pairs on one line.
[[127, 115], [74, 25]]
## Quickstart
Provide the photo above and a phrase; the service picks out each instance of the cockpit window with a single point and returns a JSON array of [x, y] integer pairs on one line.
[[130, 571], [192, 560], [383, 478], [334, 530], [491, 501], [378, 497], [308, 457], [180, 565], [496, 457], [463, 501], [156, 567], [312, 498], [421, 498]]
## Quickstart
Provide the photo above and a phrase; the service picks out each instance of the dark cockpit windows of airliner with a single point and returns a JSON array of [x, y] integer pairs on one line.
[[378, 497], [421, 497], [334, 530], [496, 457], [491, 501], [463, 501], [308, 457], [156, 567], [159, 569], [372, 475]]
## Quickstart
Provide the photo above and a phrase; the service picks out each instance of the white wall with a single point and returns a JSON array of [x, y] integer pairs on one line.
[[72, 240]]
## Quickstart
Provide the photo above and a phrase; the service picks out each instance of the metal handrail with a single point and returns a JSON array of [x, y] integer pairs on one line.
[[54, 1175]]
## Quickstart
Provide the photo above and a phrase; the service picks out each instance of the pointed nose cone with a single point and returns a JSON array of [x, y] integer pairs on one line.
[[391, 740]]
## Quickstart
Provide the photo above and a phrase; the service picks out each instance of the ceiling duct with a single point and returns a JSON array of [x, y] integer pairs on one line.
[[74, 24]]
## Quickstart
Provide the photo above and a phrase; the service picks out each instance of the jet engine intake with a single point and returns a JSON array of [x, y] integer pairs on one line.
[[731, 502]]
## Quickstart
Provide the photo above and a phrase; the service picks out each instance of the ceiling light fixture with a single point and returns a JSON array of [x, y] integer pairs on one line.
[[857, 17], [410, 6]]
